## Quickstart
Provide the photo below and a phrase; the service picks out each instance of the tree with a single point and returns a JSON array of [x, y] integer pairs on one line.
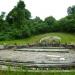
[[18, 14], [50, 22], [3, 23], [38, 26], [71, 10], [18, 19], [21, 4], [67, 25]]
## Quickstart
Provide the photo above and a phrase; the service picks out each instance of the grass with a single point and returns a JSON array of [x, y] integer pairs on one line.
[[35, 73], [21, 71], [65, 38]]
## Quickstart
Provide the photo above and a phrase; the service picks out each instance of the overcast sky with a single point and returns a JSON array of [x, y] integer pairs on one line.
[[41, 8]]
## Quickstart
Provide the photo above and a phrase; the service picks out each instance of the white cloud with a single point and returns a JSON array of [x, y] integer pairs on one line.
[[41, 8]]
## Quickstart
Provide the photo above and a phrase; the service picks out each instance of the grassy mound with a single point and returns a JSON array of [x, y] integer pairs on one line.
[[65, 38]]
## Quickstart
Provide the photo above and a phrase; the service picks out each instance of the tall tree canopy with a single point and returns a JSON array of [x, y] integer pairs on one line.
[[18, 18], [18, 14]]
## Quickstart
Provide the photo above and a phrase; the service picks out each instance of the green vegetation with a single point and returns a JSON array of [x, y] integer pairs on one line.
[[22, 71], [35, 73], [65, 38], [19, 25]]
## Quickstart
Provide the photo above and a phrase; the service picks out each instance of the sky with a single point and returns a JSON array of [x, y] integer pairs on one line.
[[41, 8]]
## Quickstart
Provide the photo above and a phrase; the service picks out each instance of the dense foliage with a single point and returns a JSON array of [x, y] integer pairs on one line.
[[18, 23]]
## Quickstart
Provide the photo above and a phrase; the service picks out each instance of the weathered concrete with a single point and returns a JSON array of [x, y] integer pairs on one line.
[[40, 59]]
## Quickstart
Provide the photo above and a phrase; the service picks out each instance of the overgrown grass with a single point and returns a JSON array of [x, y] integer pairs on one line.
[[35, 73], [21, 70], [65, 38]]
